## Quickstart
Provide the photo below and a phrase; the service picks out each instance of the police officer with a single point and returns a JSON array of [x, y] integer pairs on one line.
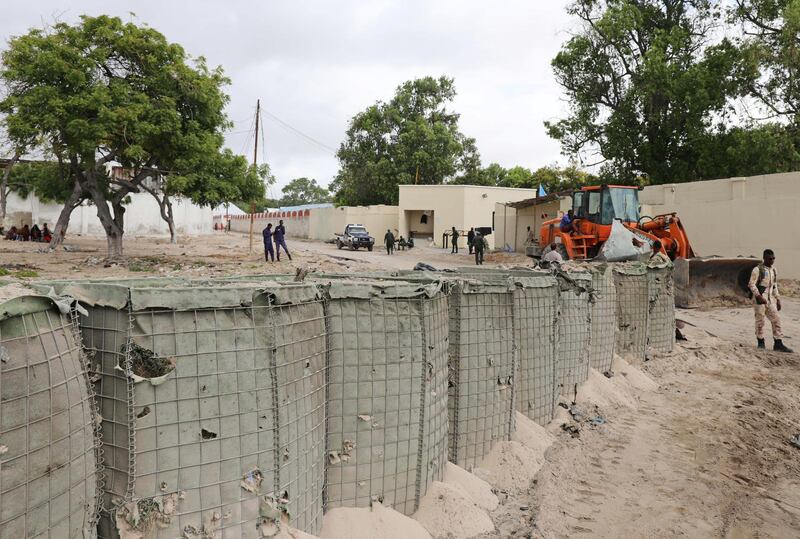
[[763, 286], [269, 253]]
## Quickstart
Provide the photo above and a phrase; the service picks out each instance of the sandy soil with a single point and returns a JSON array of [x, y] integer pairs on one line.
[[705, 454], [213, 255]]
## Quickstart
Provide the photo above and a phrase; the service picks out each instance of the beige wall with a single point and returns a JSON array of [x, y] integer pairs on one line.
[[736, 216], [322, 223], [460, 206], [515, 231]]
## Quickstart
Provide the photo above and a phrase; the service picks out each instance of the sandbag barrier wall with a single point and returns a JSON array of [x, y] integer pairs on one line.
[[631, 284], [233, 434], [536, 318], [49, 473], [387, 392], [574, 330], [482, 365], [604, 317], [661, 308]]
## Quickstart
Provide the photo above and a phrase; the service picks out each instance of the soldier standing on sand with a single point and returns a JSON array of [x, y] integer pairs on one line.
[[479, 246], [388, 239], [471, 239], [763, 286], [455, 241]]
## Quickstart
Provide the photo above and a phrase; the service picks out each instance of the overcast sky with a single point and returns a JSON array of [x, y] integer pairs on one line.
[[314, 64]]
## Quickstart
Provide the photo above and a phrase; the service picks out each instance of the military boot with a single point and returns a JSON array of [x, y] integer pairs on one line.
[[780, 347], [761, 344]]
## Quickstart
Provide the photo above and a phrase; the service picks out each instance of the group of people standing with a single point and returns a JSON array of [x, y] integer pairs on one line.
[[26, 233], [476, 243], [276, 237]]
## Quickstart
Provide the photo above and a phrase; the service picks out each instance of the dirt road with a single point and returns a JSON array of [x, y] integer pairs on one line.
[[707, 454]]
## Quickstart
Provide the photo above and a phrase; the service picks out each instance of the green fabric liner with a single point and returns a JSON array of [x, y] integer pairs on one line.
[[22, 305], [179, 295], [367, 289]]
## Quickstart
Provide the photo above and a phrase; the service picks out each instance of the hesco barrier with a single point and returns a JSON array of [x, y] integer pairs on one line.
[[482, 368], [630, 281], [387, 387], [536, 300], [48, 449], [604, 317], [213, 404], [661, 308], [574, 330]]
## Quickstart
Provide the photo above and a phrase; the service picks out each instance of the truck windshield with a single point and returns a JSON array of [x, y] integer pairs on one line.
[[357, 230], [620, 204], [577, 203]]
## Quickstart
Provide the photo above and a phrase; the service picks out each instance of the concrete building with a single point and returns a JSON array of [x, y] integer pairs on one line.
[[428, 211], [512, 219]]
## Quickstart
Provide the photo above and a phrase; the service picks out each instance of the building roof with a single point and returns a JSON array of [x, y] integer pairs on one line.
[[227, 209], [305, 207], [539, 200]]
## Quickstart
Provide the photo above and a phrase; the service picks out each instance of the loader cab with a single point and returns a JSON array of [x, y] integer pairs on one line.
[[603, 203]]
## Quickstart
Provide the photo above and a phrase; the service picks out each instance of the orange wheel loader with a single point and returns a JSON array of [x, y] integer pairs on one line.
[[595, 208]]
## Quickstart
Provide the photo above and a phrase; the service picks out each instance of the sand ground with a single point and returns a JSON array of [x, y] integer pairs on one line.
[[705, 454]]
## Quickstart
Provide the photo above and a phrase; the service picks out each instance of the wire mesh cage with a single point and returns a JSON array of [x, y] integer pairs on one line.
[[482, 369], [387, 408], [213, 404], [604, 317], [630, 281], [574, 330], [48, 448], [661, 308]]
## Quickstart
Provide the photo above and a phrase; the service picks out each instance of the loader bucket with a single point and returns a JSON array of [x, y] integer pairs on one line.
[[712, 280]]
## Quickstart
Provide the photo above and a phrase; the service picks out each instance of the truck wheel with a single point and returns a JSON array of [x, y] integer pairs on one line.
[[353, 248], [339, 244], [369, 248]]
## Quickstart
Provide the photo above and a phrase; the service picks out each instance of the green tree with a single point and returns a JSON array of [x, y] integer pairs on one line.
[[303, 191], [645, 82], [771, 32], [412, 139], [102, 91]]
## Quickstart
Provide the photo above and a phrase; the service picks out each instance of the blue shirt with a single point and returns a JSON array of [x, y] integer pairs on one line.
[[279, 232], [565, 221], [267, 233]]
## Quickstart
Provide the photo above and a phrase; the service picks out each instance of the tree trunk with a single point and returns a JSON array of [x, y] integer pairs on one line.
[[170, 220], [113, 223], [60, 229], [4, 190]]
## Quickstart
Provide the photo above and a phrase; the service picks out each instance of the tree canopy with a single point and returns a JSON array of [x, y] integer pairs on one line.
[[102, 91], [301, 191], [646, 82], [412, 139]]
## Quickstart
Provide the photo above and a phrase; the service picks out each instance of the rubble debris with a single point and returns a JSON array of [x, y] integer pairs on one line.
[[136, 518], [207, 434], [252, 481]]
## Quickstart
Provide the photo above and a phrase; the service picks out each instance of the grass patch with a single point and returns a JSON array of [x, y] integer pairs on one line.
[[4, 272], [26, 274]]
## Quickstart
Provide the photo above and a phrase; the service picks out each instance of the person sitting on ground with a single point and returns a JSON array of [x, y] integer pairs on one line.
[[25, 233], [401, 243], [36, 233], [47, 236], [12, 233], [552, 255], [567, 224]]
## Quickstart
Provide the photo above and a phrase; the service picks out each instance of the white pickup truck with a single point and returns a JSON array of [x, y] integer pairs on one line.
[[354, 237]]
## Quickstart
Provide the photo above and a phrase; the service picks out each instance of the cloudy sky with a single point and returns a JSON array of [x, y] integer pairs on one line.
[[314, 64]]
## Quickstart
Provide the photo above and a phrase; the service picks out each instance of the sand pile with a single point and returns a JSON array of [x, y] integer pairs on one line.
[[606, 392], [633, 376], [370, 523], [531, 434], [448, 511], [478, 490]]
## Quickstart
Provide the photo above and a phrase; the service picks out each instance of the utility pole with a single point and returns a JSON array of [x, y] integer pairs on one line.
[[255, 168]]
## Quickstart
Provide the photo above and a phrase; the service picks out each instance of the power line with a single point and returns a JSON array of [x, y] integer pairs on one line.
[[296, 131]]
